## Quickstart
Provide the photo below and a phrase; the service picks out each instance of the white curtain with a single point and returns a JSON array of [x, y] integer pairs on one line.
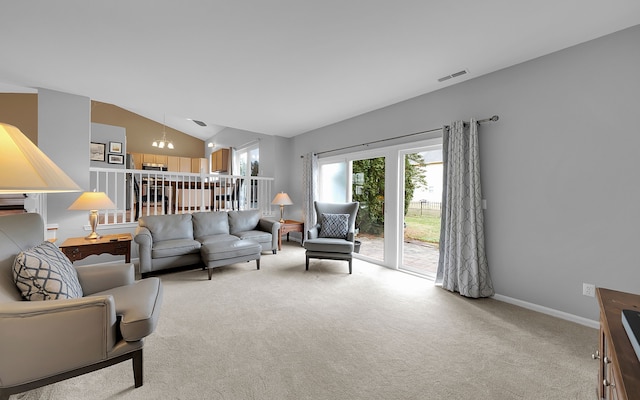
[[310, 187], [463, 264]]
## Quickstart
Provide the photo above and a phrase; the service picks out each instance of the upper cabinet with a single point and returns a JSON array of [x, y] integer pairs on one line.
[[220, 160], [199, 164], [137, 160], [173, 163]]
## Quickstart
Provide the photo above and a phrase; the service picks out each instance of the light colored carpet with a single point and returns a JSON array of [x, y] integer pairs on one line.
[[284, 333]]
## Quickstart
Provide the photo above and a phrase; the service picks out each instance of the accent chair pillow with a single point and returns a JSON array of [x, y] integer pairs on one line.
[[334, 226], [43, 272]]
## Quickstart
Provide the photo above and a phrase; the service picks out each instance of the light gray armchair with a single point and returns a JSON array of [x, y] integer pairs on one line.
[[334, 234], [43, 342]]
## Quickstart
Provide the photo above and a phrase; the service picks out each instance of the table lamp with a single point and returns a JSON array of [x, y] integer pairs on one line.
[[93, 201], [24, 168], [282, 199]]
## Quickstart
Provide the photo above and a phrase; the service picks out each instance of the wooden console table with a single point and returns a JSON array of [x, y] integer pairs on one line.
[[287, 227], [79, 248], [619, 371]]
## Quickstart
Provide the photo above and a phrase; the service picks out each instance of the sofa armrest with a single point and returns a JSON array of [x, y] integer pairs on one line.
[[313, 232], [60, 334], [145, 242], [271, 226], [97, 278]]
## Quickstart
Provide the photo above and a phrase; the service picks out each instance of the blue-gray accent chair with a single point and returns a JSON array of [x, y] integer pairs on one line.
[[333, 248]]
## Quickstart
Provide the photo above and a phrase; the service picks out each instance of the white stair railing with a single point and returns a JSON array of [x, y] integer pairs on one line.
[[137, 193]]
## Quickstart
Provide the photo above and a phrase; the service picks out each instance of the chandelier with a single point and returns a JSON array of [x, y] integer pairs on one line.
[[163, 142]]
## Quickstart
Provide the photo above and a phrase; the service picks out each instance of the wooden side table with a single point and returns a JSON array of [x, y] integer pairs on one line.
[[287, 227], [79, 247]]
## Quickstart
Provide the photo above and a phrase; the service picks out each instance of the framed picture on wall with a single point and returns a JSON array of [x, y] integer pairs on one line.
[[116, 159], [115, 147], [97, 151]]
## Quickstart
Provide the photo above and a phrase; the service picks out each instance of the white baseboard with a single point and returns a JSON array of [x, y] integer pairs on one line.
[[549, 311]]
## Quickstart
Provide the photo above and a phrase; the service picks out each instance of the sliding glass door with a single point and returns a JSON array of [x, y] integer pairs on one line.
[[422, 197], [399, 189], [362, 180], [368, 188]]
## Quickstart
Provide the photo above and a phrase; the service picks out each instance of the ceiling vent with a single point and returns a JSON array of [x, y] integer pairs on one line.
[[454, 75], [199, 122]]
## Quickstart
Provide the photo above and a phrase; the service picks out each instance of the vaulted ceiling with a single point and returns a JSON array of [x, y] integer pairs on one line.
[[280, 67]]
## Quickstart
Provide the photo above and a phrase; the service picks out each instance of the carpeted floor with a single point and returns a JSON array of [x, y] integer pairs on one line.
[[285, 333]]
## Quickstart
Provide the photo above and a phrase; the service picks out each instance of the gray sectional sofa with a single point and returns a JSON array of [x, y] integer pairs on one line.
[[167, 241]]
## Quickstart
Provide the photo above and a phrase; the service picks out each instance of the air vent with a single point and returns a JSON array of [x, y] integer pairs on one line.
[[454, 75], [199, 122]]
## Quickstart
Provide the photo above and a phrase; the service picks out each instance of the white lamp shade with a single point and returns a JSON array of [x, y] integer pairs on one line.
[[282, 199], [92, 201], [24, 168]]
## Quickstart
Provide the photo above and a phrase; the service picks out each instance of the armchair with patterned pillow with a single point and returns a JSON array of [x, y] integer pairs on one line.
[[58, 321], [333, 236]]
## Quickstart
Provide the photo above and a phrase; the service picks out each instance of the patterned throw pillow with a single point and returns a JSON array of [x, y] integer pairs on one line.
[[334, 226], [43, 272]]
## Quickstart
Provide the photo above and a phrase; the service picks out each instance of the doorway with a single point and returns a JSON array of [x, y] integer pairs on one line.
[[422, 198], [399, 191]]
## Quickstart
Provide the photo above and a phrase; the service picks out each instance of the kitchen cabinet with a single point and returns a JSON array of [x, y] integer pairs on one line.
[[220, 160], [198, 164]]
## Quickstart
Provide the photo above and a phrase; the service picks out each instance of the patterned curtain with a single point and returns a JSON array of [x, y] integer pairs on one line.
[[310, 187], [462, 266]]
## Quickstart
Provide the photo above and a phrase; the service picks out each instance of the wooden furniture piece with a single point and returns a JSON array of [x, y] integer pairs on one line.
[[220, 160], [79, 247], [287, 227], [619, 371], [173, 163]]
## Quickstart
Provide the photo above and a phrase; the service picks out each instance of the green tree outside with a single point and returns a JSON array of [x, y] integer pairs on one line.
[[368, 189]]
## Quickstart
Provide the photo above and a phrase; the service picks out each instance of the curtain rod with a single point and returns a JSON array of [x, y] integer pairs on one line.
[[491, 119]]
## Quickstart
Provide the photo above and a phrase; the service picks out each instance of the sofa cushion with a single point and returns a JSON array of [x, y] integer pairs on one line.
[[168, 227], [223, 237], [245, 220], [229, 250], [210, 223], [137, 306], [43, 272], [329, 245], [334, 226], [172, 248], [258, 236]]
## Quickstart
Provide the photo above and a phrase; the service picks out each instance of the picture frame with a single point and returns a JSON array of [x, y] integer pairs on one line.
[[116, 159], [97, 152], [115, 147]]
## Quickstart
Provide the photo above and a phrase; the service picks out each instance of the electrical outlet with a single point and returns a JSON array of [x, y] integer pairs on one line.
[[589, 290]]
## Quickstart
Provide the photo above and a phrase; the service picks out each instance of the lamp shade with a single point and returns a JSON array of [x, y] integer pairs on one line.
[[92, 201], [24, 168], [282, 199]]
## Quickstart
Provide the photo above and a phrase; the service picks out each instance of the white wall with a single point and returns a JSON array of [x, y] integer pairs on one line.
[[559, 170]]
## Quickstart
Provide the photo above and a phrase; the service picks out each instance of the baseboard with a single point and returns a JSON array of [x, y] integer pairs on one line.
[[549, 311]]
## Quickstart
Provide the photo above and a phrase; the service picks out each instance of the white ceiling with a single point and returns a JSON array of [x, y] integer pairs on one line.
[[280, 67]]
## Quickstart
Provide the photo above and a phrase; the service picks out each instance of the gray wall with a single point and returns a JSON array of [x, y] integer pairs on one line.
[[275, 151], [559, 170], [64, 133]]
